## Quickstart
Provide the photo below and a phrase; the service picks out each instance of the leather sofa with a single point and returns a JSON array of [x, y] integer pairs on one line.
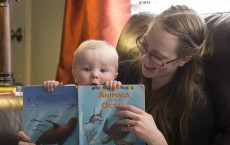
[[11, 120], [217, 69]]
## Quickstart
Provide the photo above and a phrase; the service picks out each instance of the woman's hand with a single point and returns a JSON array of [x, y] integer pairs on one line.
[[141, 124], [25, 139], [51, 84], [113, 85]]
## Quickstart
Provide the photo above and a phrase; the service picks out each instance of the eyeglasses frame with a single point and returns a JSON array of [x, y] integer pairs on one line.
[[138, 43]]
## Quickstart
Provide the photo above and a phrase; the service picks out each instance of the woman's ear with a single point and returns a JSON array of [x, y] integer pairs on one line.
[[184, 60]]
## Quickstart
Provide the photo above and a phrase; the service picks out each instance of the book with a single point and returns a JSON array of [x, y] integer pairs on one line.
[[91, 108], [10, 91], [51, 117], [7, 91], [97, 109]]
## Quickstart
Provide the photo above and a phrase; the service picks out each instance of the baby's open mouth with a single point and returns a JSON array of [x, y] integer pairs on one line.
[[94, 84]]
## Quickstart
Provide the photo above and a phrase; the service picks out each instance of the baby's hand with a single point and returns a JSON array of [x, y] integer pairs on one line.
[[50, 85], [112, 85]]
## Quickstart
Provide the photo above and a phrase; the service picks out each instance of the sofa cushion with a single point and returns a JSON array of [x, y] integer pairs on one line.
[[11, 120]]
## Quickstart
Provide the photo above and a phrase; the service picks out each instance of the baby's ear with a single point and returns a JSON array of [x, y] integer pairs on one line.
[[74, 75], [115, 76]]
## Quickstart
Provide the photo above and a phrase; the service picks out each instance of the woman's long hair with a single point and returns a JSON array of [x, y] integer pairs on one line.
[[173, 105]]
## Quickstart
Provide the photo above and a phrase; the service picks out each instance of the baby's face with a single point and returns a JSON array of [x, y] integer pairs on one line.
[[95, 67]]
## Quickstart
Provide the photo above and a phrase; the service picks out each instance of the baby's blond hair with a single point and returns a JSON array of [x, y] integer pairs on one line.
[[95, 44]]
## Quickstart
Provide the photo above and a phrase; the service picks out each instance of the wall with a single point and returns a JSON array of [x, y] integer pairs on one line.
[[35, 58], [157, 6], [20, 54], [46, 21]]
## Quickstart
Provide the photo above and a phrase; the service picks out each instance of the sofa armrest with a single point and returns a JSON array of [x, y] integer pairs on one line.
[[11, 120]]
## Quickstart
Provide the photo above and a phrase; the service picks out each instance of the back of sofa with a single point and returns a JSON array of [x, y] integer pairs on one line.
[[217, 66], [135, 27]]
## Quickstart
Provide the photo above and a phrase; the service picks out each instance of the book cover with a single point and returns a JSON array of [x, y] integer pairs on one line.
[[97, 108], [51, 117], [79, 115]]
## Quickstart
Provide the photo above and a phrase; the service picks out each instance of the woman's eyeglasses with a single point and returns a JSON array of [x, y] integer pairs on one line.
[[158, 61]]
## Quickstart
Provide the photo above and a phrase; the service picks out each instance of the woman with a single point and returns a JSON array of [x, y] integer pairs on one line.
[[178, 110]]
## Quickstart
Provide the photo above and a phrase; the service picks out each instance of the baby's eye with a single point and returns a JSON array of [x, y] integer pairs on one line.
[[86, 69], [103, 70]]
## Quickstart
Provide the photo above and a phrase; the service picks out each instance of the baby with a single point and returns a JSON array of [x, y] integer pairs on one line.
[[95, 63]]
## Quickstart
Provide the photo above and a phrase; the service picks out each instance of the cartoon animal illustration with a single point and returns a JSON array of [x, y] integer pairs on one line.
[[98, 87], [95, 118], [95, 88], [115, 134], [32, 103], [58, 133], [41, 125], [35, 120], [37, 130], [90, 134], [53, 116], [71, 106]]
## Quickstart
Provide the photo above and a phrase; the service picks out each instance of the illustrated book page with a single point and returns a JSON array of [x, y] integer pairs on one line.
[[51, 117], [97, 120]]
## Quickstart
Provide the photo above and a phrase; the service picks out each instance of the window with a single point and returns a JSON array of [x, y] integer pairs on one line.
[[157, 6]]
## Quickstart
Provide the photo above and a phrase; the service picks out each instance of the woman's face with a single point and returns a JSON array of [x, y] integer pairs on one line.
[[160, 46]]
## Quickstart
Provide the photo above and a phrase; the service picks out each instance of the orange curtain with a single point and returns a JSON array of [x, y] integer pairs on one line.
[[89, 19]]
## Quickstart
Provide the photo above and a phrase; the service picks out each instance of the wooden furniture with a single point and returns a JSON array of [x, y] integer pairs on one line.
[[6, 74]]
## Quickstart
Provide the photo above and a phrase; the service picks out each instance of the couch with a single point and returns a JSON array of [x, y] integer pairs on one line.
[[217, 69], [11, 120]]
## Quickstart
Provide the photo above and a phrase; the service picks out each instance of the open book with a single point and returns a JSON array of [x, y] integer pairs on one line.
[[79, 115]]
